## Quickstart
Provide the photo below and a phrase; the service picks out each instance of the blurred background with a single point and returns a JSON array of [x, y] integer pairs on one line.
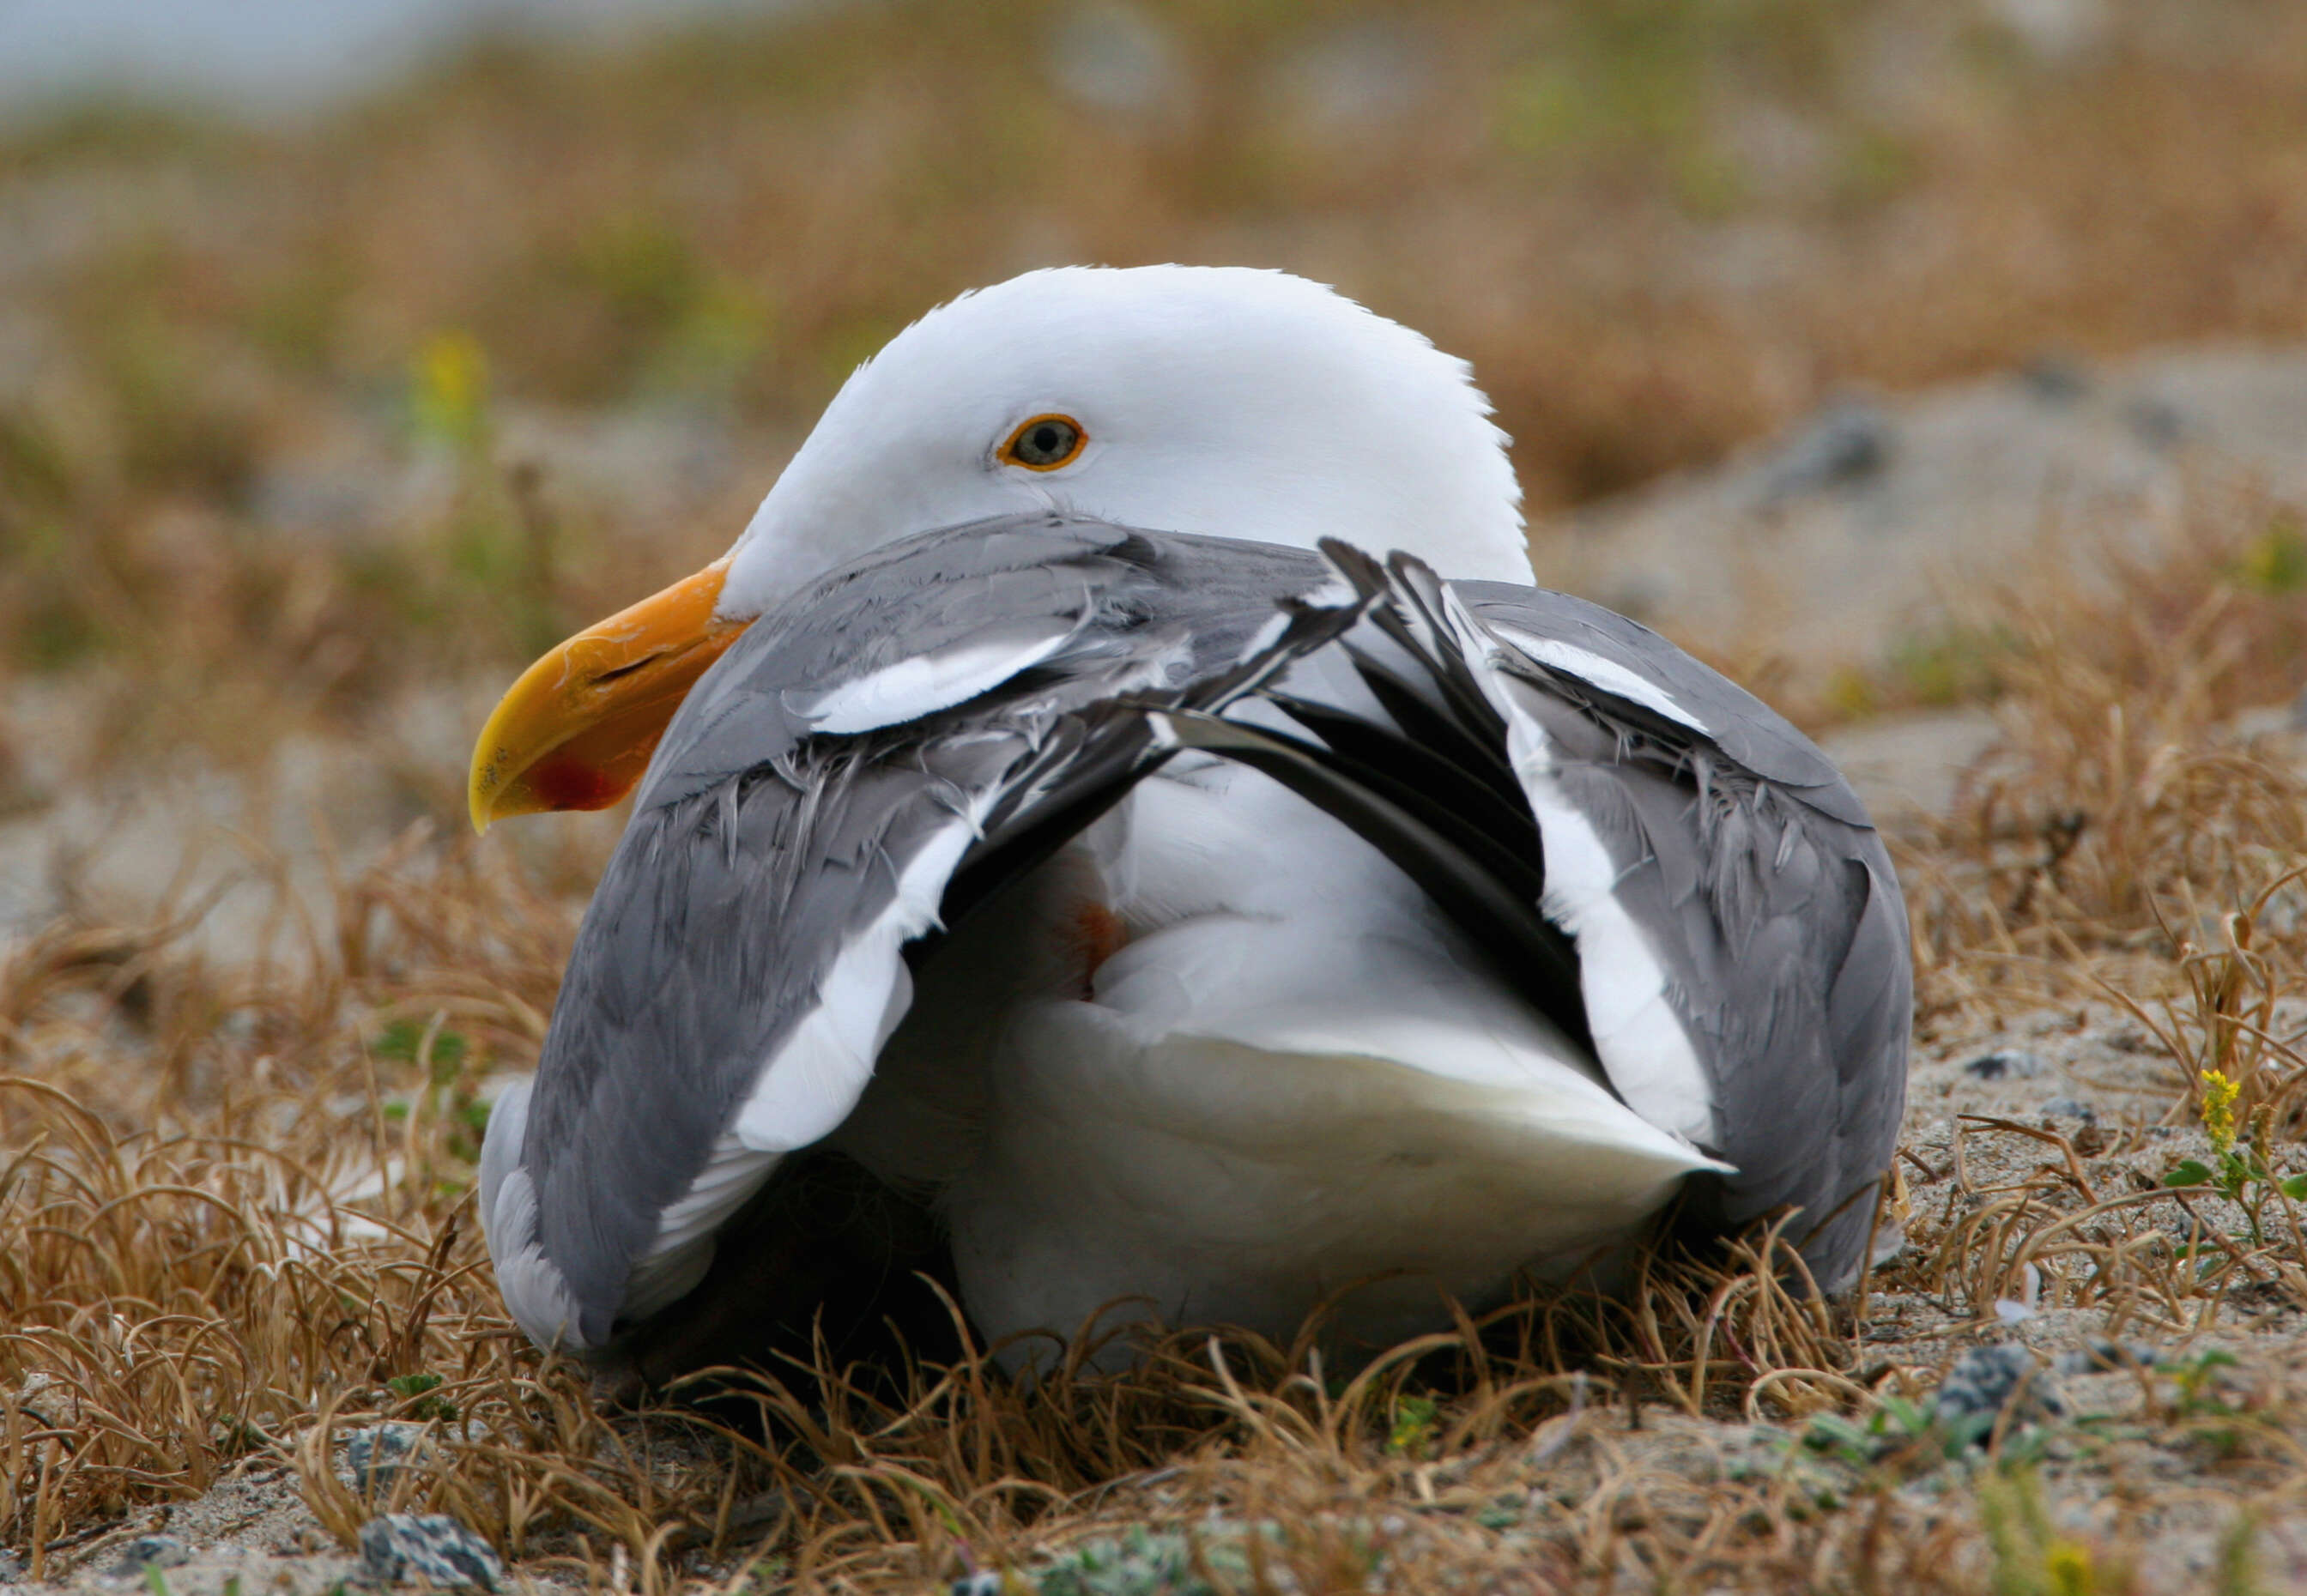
[[352, 350]]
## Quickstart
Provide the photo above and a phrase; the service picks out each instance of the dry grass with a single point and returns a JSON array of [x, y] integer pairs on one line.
[[235, 1212], [285, 1232], [2145, 784]]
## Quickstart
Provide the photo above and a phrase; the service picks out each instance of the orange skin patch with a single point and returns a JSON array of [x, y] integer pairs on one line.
[[1091, 935]]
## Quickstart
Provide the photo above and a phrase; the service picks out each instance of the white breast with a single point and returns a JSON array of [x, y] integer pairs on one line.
[[1295, 1076]]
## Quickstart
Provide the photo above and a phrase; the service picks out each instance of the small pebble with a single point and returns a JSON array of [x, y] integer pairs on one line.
[[430, 1546], [374, 1454], [1988, 1380], [1848, 440], [2100, 1355], [2006, 1064], [2056, 378], [12, 1567], [985, 1582], [2069, 1108], [149, 1551], [51, 1401], [2156, 421]]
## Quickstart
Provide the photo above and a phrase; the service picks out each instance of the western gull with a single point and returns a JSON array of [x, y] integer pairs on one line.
[[1121, 821]]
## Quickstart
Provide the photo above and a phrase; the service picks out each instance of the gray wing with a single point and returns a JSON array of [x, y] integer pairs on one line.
[[1652, 858], [1715, 916], [869, 760]]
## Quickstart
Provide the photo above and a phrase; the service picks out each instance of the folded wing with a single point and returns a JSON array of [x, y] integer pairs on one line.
[[1730, 919], [1648, 856], [866, 763]]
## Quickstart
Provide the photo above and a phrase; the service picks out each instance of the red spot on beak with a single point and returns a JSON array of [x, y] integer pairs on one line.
[[572, 784]]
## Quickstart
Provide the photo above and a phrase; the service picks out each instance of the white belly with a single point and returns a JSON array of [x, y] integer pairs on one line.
[[1294, 1079]]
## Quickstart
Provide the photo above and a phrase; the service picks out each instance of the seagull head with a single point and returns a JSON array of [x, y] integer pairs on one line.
[[1218, 400]]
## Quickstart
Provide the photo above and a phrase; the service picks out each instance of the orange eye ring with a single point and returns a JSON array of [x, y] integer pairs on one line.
[[1048, 442]]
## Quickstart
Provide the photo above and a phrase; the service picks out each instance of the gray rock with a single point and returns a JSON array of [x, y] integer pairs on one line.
[[2102, 1355], [12, 1567], [1142, 1562], [1848, 440], [2158, 421], [2006, 1064], [1118, 59], [375, 1453], [1988, 1380], [149, 1551], [1977, 477], [2071, 1108], [51, 1401], [2056, 378], [430, 1546]]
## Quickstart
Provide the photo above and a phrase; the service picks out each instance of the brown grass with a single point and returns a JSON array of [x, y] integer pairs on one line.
[[2131, 801], [236, 1208]]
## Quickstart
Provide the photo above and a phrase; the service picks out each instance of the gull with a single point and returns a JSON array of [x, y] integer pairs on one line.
[[1122, 823]]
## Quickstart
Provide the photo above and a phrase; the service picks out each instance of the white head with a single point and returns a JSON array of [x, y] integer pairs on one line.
[[1220, 400], [1228, 402]]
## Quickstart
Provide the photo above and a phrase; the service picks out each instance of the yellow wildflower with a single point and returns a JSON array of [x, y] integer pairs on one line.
[[2069, 1567], [452, 390], [2220, 1094]]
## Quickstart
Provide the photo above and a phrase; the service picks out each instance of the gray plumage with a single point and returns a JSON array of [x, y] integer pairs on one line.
[[758, 848], [1772, 902], [762, 846]]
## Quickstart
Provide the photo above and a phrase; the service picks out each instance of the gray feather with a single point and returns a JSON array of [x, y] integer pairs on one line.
[[1770, 899], [1747, 730], [758, 851]]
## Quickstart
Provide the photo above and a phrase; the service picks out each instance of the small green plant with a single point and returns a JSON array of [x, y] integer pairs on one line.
[[1415, 1420], [2197, 1379], [445, 1055], [2274, 563], [405, 1039], [2031, 1558], [2214, 1417], [768, 1574], [1896, 1425], [1152, 1563], [2239, 1172], [414, 1388]]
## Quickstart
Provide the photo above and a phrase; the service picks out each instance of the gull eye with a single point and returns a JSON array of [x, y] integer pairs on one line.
[[1045, 443]]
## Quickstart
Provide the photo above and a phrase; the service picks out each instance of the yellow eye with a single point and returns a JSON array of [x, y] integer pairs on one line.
[[1045, 443]]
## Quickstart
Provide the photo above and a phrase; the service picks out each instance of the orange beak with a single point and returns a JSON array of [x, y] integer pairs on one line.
[[576, 730]]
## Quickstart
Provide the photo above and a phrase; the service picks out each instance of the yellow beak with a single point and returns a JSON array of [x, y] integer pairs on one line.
[[576, 730]]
